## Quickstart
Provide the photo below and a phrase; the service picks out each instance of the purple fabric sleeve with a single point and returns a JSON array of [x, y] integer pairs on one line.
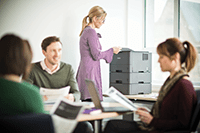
[[95, 48]]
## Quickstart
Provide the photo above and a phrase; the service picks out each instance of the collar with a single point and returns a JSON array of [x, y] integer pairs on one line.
[[44, 67]]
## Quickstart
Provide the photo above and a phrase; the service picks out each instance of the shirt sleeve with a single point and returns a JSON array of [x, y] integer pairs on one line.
[[95, 48]]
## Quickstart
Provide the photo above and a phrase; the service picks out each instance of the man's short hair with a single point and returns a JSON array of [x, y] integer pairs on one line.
[[15, 56], [47, 41]]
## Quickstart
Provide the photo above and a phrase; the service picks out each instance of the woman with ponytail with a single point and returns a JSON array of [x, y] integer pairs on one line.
[[90, 51], [177, 98]]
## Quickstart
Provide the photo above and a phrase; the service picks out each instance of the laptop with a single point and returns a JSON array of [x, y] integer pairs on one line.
[[97, 102]]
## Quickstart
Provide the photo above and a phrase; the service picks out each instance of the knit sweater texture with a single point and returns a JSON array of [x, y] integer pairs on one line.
[[19, 98], [62, 78], [177, 108]]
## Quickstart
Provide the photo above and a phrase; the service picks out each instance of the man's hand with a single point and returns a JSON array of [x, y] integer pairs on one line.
[[45, 98], [70, 97]]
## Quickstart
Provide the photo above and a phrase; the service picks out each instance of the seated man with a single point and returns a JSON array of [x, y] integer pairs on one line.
[[51, 72]]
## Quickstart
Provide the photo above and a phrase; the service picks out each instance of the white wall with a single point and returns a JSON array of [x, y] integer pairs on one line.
[[37, 19]]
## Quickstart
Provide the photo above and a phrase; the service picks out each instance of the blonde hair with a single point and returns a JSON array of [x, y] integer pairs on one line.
[[94, 11]]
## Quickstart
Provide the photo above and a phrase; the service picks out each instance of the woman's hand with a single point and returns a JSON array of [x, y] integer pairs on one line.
[[116, 50], [144, 115], [144, 109]]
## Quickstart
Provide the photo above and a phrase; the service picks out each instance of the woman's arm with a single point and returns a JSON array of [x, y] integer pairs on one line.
[[183, 102], [95, 48]]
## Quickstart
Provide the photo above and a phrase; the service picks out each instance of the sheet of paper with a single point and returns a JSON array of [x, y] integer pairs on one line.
[[119, 97], [66, 109], [65, 114], [53, 94]]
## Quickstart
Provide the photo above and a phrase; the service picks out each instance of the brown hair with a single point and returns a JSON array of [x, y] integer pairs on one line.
[[188, 53], [94, 11], [48, 40], [15, 56]]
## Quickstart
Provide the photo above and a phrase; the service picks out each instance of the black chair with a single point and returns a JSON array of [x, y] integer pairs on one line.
[[28, 123], [195, 118]]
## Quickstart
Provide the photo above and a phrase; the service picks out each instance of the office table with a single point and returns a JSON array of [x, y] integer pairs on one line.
[[144, 97], [97, 118]]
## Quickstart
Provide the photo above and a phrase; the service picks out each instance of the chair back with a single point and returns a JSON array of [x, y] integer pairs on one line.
[[196, 115], [27, 123]]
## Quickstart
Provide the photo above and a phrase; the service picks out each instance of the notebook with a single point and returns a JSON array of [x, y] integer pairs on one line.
[[93, 91]]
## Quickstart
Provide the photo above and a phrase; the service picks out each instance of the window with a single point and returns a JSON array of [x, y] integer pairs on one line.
[[190, 30], [159, 27], [163, 20]]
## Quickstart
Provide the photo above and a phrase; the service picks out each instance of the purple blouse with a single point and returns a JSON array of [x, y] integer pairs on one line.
[[89, 67]]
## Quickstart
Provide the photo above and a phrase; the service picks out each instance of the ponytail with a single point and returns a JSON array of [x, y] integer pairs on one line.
[[94, 11], [84, 24], [191, 55]]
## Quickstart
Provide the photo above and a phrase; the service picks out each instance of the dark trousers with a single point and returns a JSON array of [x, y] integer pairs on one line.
[[122, 126]]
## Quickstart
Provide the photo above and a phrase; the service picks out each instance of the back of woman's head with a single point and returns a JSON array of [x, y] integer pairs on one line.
[[188, 53], [94, 11], [15, 56]]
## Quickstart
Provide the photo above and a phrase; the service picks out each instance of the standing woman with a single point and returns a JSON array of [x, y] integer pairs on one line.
[[177, 98], [90, 51]]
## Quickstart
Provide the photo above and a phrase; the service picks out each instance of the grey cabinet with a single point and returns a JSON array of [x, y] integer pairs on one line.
[[130, 71]]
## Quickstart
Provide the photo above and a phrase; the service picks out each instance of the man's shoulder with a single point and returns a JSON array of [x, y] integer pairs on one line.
[[36, 63], [63, 64], [66, 67], [36, 66]]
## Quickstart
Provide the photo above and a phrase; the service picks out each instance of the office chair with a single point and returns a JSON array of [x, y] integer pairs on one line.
[[28, 123]]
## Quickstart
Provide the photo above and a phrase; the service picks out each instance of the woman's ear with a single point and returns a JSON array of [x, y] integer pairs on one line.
[[177, 56], [94, 19]]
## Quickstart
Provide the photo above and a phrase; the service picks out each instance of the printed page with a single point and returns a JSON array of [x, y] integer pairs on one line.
[[119, 97], [66, 109], [53, 94], [62, 125], [64, 114]]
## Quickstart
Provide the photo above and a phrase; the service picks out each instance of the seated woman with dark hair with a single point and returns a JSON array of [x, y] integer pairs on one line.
[[18, 97], [177, 98]]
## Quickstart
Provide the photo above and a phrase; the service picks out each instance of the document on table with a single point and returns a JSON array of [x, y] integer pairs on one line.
[[119, 97], [53, 94], [65, 114]]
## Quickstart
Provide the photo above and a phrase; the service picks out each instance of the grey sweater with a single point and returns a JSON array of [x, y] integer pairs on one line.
[[62, 78]]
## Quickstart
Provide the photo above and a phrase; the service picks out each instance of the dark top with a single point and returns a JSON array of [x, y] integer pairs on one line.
[[177, 107]]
